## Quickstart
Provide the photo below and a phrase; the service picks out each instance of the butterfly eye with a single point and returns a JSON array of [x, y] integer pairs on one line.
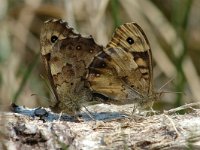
[[54, 39], [130, 40]]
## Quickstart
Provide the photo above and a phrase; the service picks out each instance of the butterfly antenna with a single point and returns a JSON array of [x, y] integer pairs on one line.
[[166, 84], [48, 86], [173, 92]]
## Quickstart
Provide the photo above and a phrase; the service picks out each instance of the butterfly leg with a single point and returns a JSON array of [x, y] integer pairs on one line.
[[136, 114]]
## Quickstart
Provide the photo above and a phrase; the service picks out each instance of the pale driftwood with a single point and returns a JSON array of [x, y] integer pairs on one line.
[[109, 130]]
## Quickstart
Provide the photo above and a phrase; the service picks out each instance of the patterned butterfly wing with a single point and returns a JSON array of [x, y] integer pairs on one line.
[[52, 31], [131, 38], [123, 71], [66, 55]]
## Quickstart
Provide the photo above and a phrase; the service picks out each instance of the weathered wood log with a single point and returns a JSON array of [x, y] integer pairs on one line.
[[105, 130]]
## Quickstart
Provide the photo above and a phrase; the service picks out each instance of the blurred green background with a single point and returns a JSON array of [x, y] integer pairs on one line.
[[172, 27]]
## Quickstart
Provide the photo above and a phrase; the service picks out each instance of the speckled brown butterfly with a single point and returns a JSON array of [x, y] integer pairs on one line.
[[66, 55], [122, 72]]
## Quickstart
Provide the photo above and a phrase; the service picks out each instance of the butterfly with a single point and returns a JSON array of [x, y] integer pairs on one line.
[[66, 55], [123, 72]]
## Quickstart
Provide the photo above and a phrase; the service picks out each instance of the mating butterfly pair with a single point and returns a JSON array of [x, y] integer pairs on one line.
[[79, 70]]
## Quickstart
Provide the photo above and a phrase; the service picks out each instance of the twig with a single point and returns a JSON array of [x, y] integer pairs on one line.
[[172, 122], [186, 106]]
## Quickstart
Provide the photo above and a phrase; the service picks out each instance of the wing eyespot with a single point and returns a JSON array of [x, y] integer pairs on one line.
[[54, 38], [103, 65], [78, 47], [130, 40]]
